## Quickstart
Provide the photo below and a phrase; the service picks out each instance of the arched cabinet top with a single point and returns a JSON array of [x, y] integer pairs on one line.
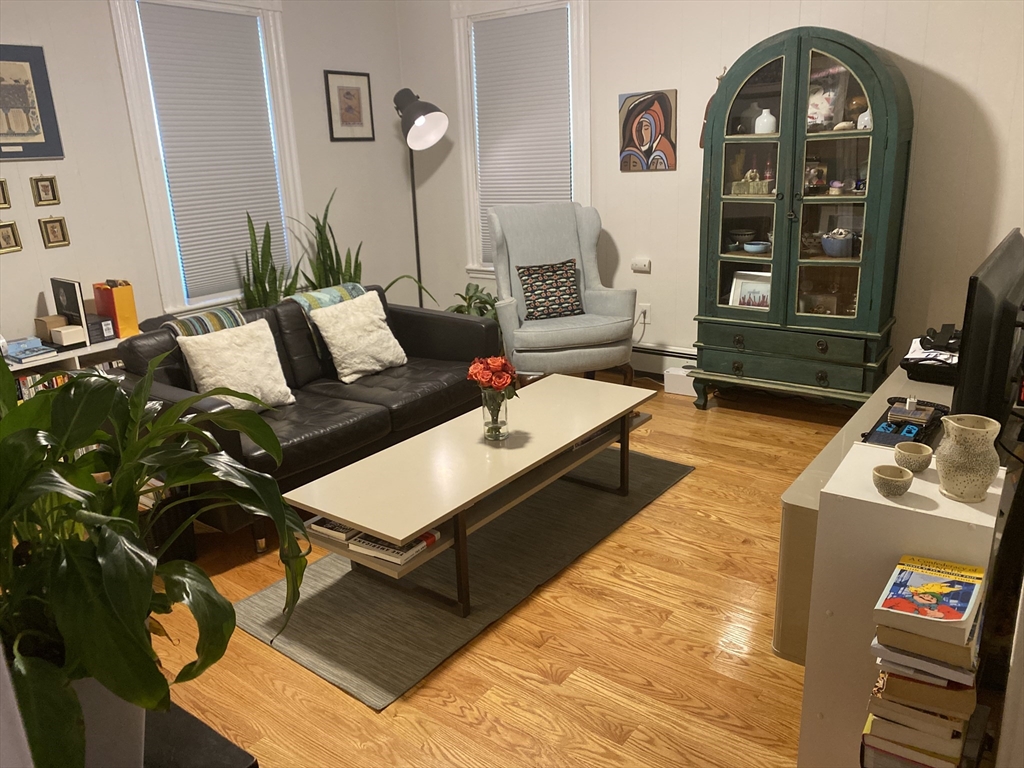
[[792, 45]]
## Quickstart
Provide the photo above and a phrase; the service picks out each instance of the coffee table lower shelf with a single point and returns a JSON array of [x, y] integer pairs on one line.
[[498, 502]]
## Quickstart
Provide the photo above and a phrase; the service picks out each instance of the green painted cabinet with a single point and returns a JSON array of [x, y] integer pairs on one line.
[[805, 171]]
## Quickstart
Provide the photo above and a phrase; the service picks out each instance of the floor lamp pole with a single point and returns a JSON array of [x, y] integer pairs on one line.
[[416, 227]]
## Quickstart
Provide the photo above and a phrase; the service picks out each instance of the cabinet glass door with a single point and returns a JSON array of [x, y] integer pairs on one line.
[[832, 215], [751, 175]]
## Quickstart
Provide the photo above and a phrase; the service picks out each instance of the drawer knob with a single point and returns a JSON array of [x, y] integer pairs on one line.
[[737, 368], [822, 346], [737, 340], [822, 378]]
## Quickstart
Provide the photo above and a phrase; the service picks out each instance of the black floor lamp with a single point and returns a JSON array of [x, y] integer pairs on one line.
[[423, 125]]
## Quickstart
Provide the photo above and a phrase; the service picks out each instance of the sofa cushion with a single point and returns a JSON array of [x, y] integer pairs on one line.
[[413, 393], [576, 331], [358, 336], [243, 358], [316, 430]]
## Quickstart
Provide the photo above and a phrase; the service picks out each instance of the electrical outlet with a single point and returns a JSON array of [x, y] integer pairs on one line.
[[645, 310], [641, 265]]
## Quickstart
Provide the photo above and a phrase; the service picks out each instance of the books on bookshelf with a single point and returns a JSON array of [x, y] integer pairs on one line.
[[332, 529], [932, 598], [926, 647], [385, 550], [29, 384]]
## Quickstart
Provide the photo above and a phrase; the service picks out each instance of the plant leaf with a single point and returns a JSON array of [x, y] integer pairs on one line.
[[51, 712], [215, 616], [94, 634], [80, 408], [250, 424], [8, 389], [127, 569], [34, 413]]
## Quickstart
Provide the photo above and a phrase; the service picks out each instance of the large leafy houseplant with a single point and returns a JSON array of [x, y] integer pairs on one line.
[[475, 301], [263, 284], [79, 590]]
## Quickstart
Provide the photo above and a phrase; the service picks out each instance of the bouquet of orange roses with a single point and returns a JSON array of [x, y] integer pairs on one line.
[[497, 380]]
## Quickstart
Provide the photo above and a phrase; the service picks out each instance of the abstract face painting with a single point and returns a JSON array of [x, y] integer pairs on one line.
[[647, 131]]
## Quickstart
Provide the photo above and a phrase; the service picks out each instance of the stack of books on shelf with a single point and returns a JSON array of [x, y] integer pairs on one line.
[[31, 383], [385, 550], [28, 350], [926, 647]]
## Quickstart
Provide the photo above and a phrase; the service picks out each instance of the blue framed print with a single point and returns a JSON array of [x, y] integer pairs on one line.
[[28, 121]]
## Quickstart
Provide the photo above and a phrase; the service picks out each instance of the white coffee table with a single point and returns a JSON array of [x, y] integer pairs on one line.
[[450, 473]]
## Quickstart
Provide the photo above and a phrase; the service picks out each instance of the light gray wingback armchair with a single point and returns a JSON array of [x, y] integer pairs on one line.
[[548, 233]]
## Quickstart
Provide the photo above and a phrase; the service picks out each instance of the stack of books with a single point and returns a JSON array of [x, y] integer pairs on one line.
[[385, 550], [28, 350], [27, 385], [926, 648]]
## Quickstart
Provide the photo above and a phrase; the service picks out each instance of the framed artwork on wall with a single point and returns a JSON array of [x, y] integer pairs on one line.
[[28, 121], [44, 190], [349, 107], [5, 194], [55, 232], [647, 131], [9, 239]]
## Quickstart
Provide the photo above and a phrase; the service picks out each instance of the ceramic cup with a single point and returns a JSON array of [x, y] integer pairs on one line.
[[891, 481], [916, 457]]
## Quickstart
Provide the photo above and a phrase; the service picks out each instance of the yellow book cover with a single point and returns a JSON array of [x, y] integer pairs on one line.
[[924, 594]]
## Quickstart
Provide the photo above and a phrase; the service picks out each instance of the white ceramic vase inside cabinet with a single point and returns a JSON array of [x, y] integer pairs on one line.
[[967, 460], [766, 123]]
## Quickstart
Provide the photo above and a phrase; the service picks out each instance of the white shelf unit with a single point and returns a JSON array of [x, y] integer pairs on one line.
[[72, 355]]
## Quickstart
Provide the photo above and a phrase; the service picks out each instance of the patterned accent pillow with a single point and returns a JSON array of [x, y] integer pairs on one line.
[[550, 290], [326, 297], [205, 322]]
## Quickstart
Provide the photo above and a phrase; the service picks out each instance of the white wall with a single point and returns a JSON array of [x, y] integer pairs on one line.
[[373, 201], [963, 61], [98, 179]]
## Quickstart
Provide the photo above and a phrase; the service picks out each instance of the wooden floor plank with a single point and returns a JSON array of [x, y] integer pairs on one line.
[[653, 649]]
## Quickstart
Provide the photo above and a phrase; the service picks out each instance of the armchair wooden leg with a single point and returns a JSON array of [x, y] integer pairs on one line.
[[627, 374], [590, 374]]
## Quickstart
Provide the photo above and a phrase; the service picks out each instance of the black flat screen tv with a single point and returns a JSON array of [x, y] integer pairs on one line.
[[992, 343]]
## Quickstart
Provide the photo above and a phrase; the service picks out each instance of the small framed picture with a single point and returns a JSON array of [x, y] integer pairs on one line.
[[10, 241], [44, 190], [55, 232], [349, 108], [5, 195], [751, 290]]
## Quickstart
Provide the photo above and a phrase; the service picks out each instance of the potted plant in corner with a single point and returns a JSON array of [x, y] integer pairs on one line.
[[79, 590]]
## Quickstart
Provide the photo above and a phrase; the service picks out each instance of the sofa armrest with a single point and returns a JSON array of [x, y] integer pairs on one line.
[[611, 302], [229, 440], [437, 335]]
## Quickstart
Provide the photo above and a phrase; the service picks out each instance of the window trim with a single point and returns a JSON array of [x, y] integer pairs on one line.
[[146, 135], [463, 14]]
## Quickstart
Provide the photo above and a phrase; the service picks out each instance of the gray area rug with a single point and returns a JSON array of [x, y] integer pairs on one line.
[[375, 642]]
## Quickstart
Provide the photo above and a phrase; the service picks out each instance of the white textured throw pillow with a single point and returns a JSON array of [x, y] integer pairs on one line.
[[357, 333], [244, 359]]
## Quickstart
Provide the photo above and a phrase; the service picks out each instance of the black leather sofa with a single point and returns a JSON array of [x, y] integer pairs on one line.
[[332, 424]]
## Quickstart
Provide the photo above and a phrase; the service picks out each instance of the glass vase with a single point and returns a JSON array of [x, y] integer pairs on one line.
[[495, 412]]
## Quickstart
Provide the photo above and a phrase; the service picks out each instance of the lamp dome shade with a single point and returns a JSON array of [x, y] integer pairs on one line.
[[423, 124]]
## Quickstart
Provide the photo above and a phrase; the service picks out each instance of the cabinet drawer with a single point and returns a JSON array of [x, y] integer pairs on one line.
[[813, 346], [744, 365]]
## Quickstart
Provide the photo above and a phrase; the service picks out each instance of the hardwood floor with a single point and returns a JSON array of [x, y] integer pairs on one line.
[[654, 649]]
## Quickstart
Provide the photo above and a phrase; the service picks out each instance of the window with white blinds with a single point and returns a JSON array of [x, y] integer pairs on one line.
[[209, 85], [521, 110]]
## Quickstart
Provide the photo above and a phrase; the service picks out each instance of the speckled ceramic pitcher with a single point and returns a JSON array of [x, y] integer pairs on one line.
[[966, 459]]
